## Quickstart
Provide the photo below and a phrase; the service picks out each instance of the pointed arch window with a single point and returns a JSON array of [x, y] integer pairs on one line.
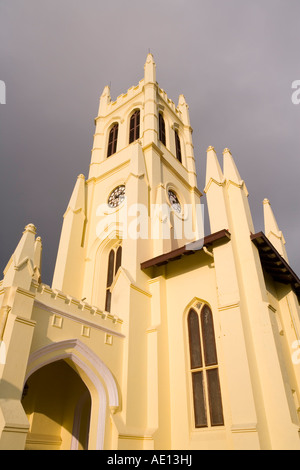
[[134, 129], [207, 400], [178, 146], [162, 129], [114, 262], [112, 140]]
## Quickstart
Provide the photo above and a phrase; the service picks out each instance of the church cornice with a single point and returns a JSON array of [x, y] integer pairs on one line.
[[80, 319], [274, 263], [121, 100], [213, 180]]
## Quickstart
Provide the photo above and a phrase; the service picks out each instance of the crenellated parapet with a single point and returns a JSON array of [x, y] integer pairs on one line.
[[107, 106], [25, 262], [150, 100], [63, 308]]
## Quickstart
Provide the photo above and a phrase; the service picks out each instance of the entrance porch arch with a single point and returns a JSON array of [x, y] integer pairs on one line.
[[94, 373]]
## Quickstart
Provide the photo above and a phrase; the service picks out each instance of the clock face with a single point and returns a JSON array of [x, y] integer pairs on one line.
[[116, 196], [174, 201]]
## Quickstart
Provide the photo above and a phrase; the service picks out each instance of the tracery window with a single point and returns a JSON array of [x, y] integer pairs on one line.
[[207, 400], [178, 146], [112, 140], [162, 129]]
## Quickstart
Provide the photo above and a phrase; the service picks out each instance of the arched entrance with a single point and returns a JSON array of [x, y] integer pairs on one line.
[[96, 376], [58, 407]]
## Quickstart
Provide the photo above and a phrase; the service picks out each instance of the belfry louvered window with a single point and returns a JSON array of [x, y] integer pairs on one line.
[[114, 262], [178, 146], [134, 129], [112, 140], [161, 129], [207, 400]]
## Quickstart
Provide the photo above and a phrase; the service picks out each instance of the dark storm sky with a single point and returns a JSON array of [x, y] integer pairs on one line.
[[234, 60]]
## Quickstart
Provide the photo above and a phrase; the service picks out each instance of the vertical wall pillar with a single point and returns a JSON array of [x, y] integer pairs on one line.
[[99, 144], [150, 102], [236, 366], [190, 158], [275, 428], [16, 333], [68, 274]]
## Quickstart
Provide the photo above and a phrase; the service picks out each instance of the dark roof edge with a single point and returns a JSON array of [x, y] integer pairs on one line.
[[278, 262], [186, 250]]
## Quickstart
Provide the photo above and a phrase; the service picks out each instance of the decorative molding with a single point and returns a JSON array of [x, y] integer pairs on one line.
[[86, 331], [57, 321], [25, 292], [43, 439], [152, 330], [108, 339], [212, 180], [229, 306], [109, 172], [135, 438], [153, 146], [273, 309], [141, 291], [22, 429], [67, 349], [182, 179], [240, 185], [25, 321], [82, 321], [242, 428]]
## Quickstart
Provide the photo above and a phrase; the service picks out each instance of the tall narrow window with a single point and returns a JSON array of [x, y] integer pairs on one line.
[[118, 259], [112, 140], [114, 262], [110, 278], [178, 146], [162, 129], [208, 410], [134, 131], [194, 338]]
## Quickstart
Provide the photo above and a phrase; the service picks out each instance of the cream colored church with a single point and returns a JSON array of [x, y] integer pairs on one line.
[[161, 340]]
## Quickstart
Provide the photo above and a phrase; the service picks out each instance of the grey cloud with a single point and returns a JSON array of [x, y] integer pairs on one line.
[[234, 61]]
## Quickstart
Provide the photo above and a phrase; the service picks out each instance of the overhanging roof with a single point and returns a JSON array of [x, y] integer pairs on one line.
[[274, 263], [187, 250]]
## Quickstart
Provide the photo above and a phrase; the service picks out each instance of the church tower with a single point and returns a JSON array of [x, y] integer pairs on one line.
[[141, 193]]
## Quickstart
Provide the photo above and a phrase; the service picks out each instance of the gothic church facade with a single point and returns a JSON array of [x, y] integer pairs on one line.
[[151, 342]]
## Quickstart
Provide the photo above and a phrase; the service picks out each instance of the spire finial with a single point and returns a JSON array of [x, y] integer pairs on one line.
[[213, 169], [272, 230], [105, 99], [30, 228], [19, 270], [230, 169], [150, 69], [77, 200]]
